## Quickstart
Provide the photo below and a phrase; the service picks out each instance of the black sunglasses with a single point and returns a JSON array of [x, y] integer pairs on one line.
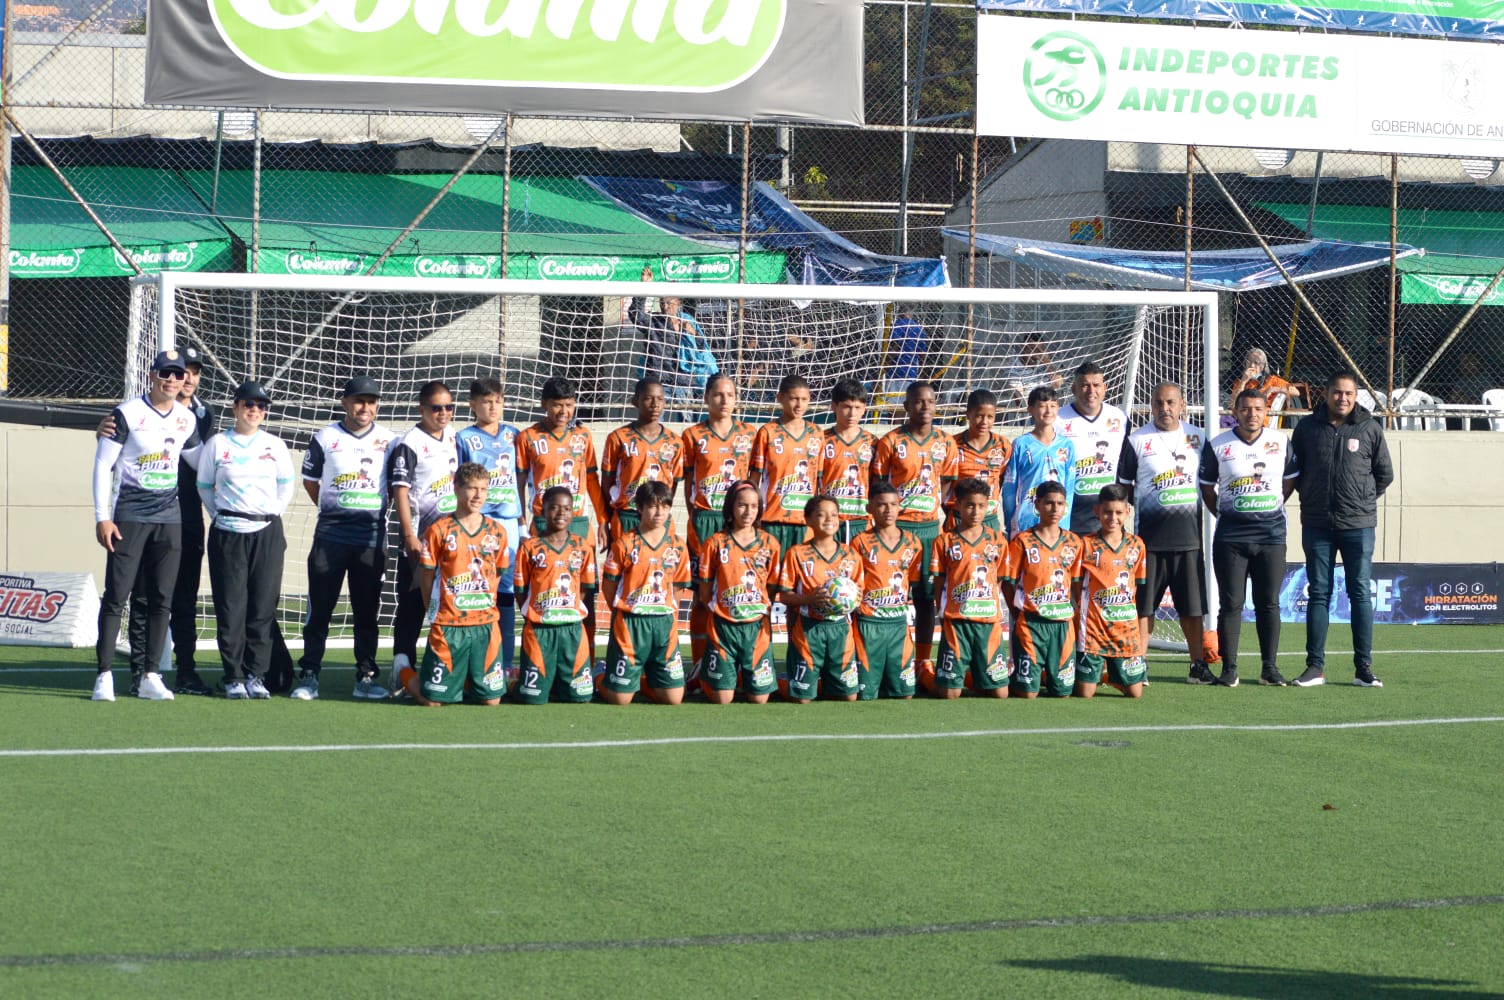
[[441, 407], [257, 404]]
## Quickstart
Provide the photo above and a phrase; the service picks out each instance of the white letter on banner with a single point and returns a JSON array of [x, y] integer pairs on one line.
[[518, 17], [430, 14], [561, 15], [735, 25], [647, 18], [385, 14], [261, 14]]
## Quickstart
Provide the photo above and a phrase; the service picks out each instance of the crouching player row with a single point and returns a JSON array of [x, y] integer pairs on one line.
[[1071, 598]]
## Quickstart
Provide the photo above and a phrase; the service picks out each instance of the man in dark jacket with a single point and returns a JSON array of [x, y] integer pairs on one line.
[[1344, 469]]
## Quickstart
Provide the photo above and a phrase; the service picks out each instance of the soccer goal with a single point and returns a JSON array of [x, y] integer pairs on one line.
[[303, 336]]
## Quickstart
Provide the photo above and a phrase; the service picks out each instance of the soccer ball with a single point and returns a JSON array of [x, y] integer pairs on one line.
[[843, 595]]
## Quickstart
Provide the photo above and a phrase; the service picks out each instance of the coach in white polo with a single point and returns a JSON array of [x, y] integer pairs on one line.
[[1246, 475], [1097, 429], [246, 480], [142, 528]]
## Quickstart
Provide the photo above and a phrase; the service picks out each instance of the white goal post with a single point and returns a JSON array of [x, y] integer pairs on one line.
[[303, 336]]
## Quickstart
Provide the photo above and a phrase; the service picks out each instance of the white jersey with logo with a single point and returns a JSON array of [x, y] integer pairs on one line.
[[425, 465], [1250, 478], [245, 475], [1099, 445], [1162, 467], [144, 451], [350, 469]]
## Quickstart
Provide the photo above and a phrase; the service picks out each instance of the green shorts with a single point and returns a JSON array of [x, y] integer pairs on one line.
[[1044, 656], [884, 658], [925, 532], [739, 651], [643, 649], [821, 659], [626, 521], [460, 653], [555, 664], [786, 535], [1124, 670], [975, 648]]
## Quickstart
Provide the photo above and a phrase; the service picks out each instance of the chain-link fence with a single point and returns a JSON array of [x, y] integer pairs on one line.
[[329, 191]]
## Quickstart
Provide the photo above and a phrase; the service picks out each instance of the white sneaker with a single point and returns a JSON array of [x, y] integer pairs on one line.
[[152, 688], [400, 662], [104, 687], [307, 689]]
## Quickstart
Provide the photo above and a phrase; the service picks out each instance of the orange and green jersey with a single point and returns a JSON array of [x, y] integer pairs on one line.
[[987, 464], [968, 572], [555, 579], [741, 577], [712, 462], [1043, 574], [468, 566], [919, 467], [844, 464], [1110, 578], [648, 575], [787, 469], [633, 458], [567, 460], [805, 570], [887, 574]]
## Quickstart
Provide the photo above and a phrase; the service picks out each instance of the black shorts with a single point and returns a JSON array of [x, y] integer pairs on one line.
[[1184, 574]]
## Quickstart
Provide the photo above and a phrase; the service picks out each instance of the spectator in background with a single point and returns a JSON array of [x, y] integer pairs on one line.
[[1472, 381], [1277, 392], [677, 350], [907, 346]]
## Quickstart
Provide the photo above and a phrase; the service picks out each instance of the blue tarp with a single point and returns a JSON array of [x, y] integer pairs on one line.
[[711, 211], [1398, 17], [1241, 270]]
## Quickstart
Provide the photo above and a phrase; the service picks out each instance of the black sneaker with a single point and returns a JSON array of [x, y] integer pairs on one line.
[[1313, 677], [1363, 677], [1200, 674], [1229, 676], [1271, 677], [135, 684], [189, 682]]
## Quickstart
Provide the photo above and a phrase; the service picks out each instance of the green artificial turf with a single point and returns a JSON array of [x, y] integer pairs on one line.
[[1042, 849]]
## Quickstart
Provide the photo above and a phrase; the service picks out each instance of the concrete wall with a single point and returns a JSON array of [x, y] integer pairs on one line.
[[1444, 506]]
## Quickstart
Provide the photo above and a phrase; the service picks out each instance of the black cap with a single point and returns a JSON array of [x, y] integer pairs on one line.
[[249, 392], [192, 357], [362, 385], [170, 361]]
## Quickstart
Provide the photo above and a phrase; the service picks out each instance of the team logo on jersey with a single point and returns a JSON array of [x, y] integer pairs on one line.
[[1068, 554], [741, 444], [1148, 448], [937, 451], [864, 453], [1114, 425], [672, 558], [1270, 447]]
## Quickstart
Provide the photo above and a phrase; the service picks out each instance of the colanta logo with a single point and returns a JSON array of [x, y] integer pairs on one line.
[[1065, 76], [46, 261], [651, 45], [698, 268], [576, 267], [301, 263]]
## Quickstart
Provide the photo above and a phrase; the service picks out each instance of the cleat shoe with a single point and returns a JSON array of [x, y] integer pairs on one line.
[[235, 691], [400, 662], [1364, 678], [1200, 674], [189, 682], [1273, 678], [256, 689], [152, 688], [104, 687], [368, 690], [308, 687], [1312, 677], [1228, 677]]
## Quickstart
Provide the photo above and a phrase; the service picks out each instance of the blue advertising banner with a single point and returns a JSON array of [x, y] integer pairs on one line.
[[1426, 18]]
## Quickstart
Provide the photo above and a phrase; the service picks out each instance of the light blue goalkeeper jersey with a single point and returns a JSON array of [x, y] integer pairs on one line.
[[1032, 463]]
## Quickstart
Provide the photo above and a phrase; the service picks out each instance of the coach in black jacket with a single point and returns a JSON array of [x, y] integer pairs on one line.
[[1344, 469]]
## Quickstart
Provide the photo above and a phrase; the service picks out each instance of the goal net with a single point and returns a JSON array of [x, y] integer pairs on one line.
[[303, 337]]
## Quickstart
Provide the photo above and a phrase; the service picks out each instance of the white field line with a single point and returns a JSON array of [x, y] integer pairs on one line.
[[675, 741]]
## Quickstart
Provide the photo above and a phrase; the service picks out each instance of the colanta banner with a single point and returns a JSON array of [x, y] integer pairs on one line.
[[1450, 18], [106, 262], [763, 267], [783, 60], [1218, 87]]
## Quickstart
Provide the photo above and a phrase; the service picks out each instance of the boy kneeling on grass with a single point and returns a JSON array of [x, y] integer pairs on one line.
[[822, 649], [967, 564], [645, 570], [467, 551], [1041, 584], [1112, 572]]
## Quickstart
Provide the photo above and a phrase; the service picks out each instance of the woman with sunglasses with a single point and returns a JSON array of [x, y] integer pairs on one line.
[[420, 475], [246, 480]]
